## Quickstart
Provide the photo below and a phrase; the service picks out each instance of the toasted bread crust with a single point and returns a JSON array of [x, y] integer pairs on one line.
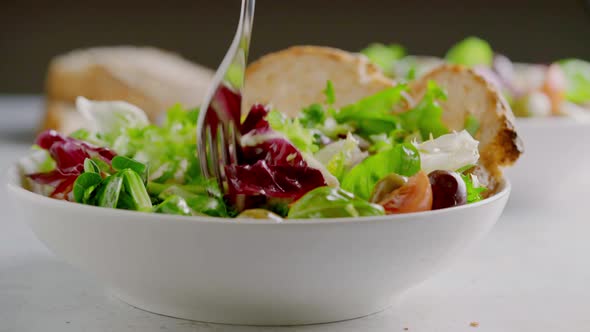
[[331, 53], [290, 80], [470, 94]]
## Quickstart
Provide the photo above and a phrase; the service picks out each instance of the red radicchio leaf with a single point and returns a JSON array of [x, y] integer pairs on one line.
[[224, 107], [256, 120], [64, 187], [275, 151], [274, 168], [277, 181], [52, 177], [69, 155]]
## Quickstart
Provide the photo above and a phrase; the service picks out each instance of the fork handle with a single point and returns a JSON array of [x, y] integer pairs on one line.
[[247, 17]]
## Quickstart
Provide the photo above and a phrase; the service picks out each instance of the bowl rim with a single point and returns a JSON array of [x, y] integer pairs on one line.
[[15, 187]]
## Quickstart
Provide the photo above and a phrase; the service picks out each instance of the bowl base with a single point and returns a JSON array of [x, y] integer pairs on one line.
[[238, 318]]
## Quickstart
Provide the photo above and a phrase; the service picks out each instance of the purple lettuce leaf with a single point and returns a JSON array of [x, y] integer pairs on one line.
[[273, 168], [69, 155]]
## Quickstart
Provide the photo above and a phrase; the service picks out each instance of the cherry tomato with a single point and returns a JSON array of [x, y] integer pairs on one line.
[[414, 196], [448, 189]]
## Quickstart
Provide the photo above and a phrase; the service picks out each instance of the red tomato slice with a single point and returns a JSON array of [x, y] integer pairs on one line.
[[414, 196]]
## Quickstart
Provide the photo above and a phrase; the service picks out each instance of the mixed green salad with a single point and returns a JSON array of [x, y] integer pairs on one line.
[[358, 160], [561, 88]]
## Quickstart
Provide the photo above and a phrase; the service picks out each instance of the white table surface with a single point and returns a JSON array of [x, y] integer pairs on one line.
[[532, 273]]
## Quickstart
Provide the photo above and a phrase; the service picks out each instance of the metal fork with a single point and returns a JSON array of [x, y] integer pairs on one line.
[[218, 132]]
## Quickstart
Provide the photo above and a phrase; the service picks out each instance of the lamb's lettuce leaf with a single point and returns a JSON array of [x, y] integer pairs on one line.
[[173, 205], [85, 183], [198, 204], [329, 202]]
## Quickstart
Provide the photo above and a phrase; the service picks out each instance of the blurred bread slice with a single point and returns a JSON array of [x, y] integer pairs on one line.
[[63, 117], [150, 78], [470, 94], [295, 77]]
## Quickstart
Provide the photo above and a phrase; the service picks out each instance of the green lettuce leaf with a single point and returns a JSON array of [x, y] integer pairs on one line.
[[384, 56], [312, 116], [110, 118], [121, 162], [402, 159], [169, 151], [90, 166], [295, 132], [426, 117], [198, 203], [202, 186], [315, 115], [84, 185], [329, 202], [373, 114], [109, 190], [135, 190], [474, 192], [577, 74], [173, 205], [385, 141], [329, 93], [471, 51], [338, 157]]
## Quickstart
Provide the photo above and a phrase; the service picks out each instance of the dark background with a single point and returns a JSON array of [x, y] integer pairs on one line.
[[31, 32]]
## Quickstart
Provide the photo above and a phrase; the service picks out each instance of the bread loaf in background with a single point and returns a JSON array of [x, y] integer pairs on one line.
[[149, 78]]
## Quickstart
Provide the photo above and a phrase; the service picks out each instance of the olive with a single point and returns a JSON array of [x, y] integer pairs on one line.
[[386, 186], [259, 214], [448, 189]]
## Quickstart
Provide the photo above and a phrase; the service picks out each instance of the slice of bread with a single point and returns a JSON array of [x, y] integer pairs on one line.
[[294, 78], [470, 94], [147, 77]]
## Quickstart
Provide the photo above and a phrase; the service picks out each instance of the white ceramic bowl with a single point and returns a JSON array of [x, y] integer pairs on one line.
[[555, 167], [256, 272]]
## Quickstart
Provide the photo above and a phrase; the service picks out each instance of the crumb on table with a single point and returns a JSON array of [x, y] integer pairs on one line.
[[474, 324]]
